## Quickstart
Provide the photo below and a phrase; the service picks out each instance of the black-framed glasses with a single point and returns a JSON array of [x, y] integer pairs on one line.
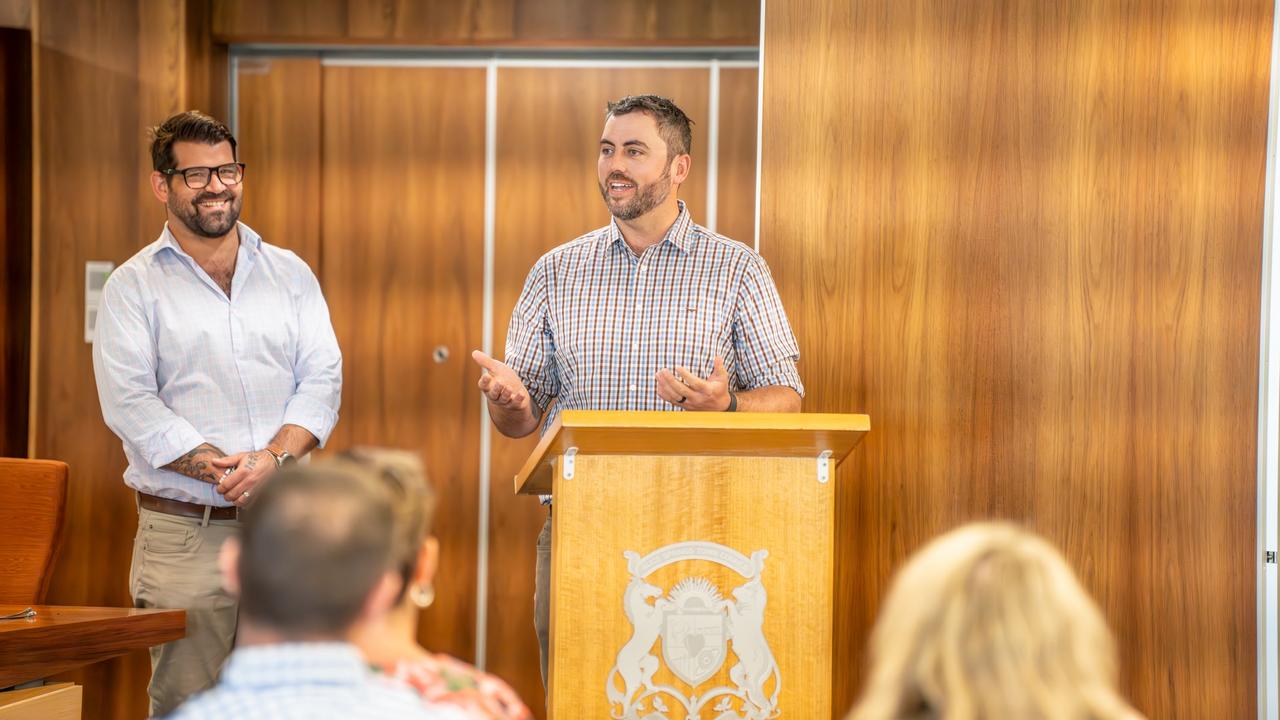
[[197, 178]]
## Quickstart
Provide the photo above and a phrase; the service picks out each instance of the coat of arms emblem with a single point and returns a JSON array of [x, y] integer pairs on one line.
[[697, 626]]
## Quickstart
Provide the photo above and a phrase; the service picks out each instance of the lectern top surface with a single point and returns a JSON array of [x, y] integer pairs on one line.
[[603, 432]]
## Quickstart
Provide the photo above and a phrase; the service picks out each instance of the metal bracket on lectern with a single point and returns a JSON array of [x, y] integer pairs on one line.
[[824, 466], [566, 463]]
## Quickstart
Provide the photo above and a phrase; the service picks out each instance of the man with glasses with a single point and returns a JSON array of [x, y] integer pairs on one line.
[[216, 364]]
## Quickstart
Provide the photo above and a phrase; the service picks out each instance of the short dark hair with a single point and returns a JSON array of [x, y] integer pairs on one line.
[[314, 544], [674, 126], [189, 126]]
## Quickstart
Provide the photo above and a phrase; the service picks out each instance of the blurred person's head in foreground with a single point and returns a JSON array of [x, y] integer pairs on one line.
[[988, 622], [313, 561]]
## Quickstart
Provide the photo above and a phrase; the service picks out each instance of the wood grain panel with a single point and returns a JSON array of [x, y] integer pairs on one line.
[[1025, 238], [639, 503], [57, 701], [102, 74], [490, 22], [402, 237], [736, 165], [15, 240], [319, 20], [279, 141], [16, 14], [547, 194], [476, 20], [727, 22], [206, 62]]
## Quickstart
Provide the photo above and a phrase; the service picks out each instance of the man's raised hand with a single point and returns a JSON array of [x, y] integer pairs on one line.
[[500, 384]]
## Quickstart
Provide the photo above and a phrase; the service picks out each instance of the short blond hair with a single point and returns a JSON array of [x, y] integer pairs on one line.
[[987, 622], [403, 477]]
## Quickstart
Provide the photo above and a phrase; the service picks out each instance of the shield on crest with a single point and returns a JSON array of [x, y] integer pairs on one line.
[[694, 633]]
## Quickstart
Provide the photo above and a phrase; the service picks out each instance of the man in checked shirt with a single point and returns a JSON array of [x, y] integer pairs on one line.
[[651, 312]]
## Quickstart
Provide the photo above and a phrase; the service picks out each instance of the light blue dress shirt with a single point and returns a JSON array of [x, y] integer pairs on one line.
[[178, 363], [311, 681]]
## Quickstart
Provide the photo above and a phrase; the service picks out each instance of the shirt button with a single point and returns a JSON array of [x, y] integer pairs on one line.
[[633, 388], [635, 346]]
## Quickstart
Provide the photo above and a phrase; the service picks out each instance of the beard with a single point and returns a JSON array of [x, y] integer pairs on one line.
[[642, 201], [206, 223]]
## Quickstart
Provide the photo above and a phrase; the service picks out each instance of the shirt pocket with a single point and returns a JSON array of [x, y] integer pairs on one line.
[[702, 332]]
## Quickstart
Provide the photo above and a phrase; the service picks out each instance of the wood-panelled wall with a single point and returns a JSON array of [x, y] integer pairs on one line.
[[1025, 237], [15, 239], [279, 140], [403, 252], [533, 23]]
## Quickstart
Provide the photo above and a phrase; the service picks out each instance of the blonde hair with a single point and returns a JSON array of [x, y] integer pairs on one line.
[[404, 477], [988, 622]]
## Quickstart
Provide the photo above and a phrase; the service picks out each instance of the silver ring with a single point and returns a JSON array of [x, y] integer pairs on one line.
[[246, 494]]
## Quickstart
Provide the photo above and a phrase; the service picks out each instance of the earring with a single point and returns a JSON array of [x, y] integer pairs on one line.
[[422, 597]]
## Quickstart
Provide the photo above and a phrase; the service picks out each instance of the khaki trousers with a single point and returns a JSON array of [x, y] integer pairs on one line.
[[175, 566]]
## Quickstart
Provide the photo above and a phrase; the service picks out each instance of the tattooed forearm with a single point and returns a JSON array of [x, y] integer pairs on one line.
[[196, 464]]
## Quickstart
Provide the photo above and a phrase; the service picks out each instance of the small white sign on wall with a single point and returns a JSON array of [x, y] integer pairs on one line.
[[95, 276]]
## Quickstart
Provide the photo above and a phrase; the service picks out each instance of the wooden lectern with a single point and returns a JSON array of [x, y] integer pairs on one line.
[[692, 565]]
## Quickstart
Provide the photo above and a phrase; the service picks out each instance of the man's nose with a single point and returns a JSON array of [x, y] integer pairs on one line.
[[215, 184]]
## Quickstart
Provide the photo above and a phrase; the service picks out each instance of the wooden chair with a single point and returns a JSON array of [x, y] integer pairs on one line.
[[33, 498]]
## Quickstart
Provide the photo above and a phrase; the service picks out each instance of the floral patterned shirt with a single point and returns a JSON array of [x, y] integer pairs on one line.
[[443, 680]]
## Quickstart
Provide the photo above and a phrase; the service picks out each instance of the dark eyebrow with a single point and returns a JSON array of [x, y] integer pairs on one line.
[[636, 143]]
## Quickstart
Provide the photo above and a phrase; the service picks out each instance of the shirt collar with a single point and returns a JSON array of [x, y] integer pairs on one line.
[[679, 234], [313, 663], [248, 239]]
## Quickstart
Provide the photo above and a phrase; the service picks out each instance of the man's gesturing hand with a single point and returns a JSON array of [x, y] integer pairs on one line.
[[500, 384], [684, 389]]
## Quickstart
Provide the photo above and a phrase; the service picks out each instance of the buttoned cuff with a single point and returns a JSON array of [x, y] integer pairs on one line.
[[172, 443], [311, 415]]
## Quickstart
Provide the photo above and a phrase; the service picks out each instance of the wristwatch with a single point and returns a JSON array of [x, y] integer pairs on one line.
[[281, 456], [733, 402]]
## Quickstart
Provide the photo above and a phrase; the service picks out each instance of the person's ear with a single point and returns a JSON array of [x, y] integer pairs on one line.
[[160, 186], [680, 168], [228, 566], [424, 572]]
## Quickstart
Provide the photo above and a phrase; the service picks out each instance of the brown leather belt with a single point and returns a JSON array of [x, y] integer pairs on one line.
[[185, 509]]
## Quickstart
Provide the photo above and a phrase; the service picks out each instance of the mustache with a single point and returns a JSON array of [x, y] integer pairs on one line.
[[205, 197]]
